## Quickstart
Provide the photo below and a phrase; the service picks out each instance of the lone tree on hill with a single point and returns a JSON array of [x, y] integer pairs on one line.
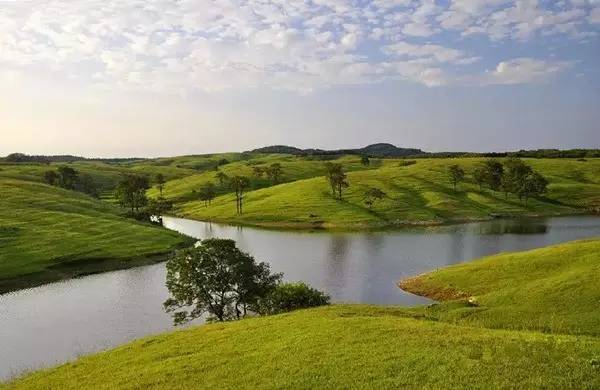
[[274, 172], [160, 182], [337, 178], [515, 175], [371, 195], [207, 193], [239, 185], [456, 173], [364, 160], [216, 278]]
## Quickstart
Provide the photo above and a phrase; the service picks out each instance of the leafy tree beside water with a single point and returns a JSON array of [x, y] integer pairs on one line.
[[218, 279], [494, 172], [215, 278]]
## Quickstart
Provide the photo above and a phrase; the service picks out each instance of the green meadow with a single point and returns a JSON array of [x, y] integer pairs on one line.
[[420, 193], [48, 233], [532, 323]]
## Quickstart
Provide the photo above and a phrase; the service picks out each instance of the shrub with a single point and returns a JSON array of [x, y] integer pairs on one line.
[[291, 296]]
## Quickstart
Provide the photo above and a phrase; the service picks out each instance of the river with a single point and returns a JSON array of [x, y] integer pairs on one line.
[[54, 323]]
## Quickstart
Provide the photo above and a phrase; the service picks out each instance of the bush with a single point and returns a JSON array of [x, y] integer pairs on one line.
[[291, 296]]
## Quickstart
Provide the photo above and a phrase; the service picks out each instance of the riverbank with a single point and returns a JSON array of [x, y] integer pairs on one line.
[[48, 234], [532, 320], [417, 194]]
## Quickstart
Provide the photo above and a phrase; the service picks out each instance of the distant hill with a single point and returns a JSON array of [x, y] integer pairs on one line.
[[375, 150]]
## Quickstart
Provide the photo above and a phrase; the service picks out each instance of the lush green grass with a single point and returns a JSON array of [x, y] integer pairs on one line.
[[48, 233], [419, 193], [293, 168], [334, 347], [554, 289], [356, 346]]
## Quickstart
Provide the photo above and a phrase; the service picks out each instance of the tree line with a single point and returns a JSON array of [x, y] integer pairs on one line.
[[513, 177], [71, 179]]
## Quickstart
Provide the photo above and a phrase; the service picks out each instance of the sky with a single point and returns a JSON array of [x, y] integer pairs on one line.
[[107, 78]]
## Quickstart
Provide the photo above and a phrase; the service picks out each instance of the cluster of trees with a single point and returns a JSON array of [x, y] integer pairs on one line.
[[512, 177], [273, 172], [131, 193], [71, 179], [218, 279]]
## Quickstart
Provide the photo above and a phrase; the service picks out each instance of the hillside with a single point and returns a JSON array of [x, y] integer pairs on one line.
[[554, 289], [357, 346], [47, 233], [420, 193], [374, 150]]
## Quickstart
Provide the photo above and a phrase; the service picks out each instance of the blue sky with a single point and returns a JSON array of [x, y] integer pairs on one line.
[[148, 78]]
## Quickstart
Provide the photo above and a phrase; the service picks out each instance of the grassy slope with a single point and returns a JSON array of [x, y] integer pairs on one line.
[[553, 289], [293, 167], [48, 233], [416, 193], [356, 346]]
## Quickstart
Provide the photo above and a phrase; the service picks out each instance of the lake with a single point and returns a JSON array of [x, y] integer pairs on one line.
[[60, 321]]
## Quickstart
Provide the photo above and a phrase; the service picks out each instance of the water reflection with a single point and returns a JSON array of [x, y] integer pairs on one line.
[[56, 322]]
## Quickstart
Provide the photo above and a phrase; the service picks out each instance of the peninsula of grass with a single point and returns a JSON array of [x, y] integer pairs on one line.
[[48, 233], [420, 193], [554, 289], [494, 342]]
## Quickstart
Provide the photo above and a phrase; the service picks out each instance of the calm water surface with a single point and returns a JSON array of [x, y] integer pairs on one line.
[[54, 323]]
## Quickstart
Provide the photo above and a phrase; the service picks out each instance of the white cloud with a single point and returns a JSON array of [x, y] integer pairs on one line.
[[524, 70], [293, 44]]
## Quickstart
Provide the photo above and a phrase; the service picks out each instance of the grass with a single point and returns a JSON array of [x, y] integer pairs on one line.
[[554, 289], [359, 346], [47, 233], [418, 193]]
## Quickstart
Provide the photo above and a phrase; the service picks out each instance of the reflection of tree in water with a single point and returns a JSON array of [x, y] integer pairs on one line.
[[516, 226], [337, 255], [373, 243]]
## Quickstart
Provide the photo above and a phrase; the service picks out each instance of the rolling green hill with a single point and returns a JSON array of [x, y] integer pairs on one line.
[[418, 193], [357, 346], [554, 289], [48, 233]]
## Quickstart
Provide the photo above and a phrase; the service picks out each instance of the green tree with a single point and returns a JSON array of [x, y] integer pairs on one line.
[[337, 178], [239, 185], [215, 278], [160, 182], [222, 178], [258, 171], [364, 160], [85, 183], [456, 173], [131, 192], [159, 207], [494, 172], [67, 177], [50, 177], [207, 193], [515, 175], [371, 195], [534, 185], [480, 176], [274, 172]]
